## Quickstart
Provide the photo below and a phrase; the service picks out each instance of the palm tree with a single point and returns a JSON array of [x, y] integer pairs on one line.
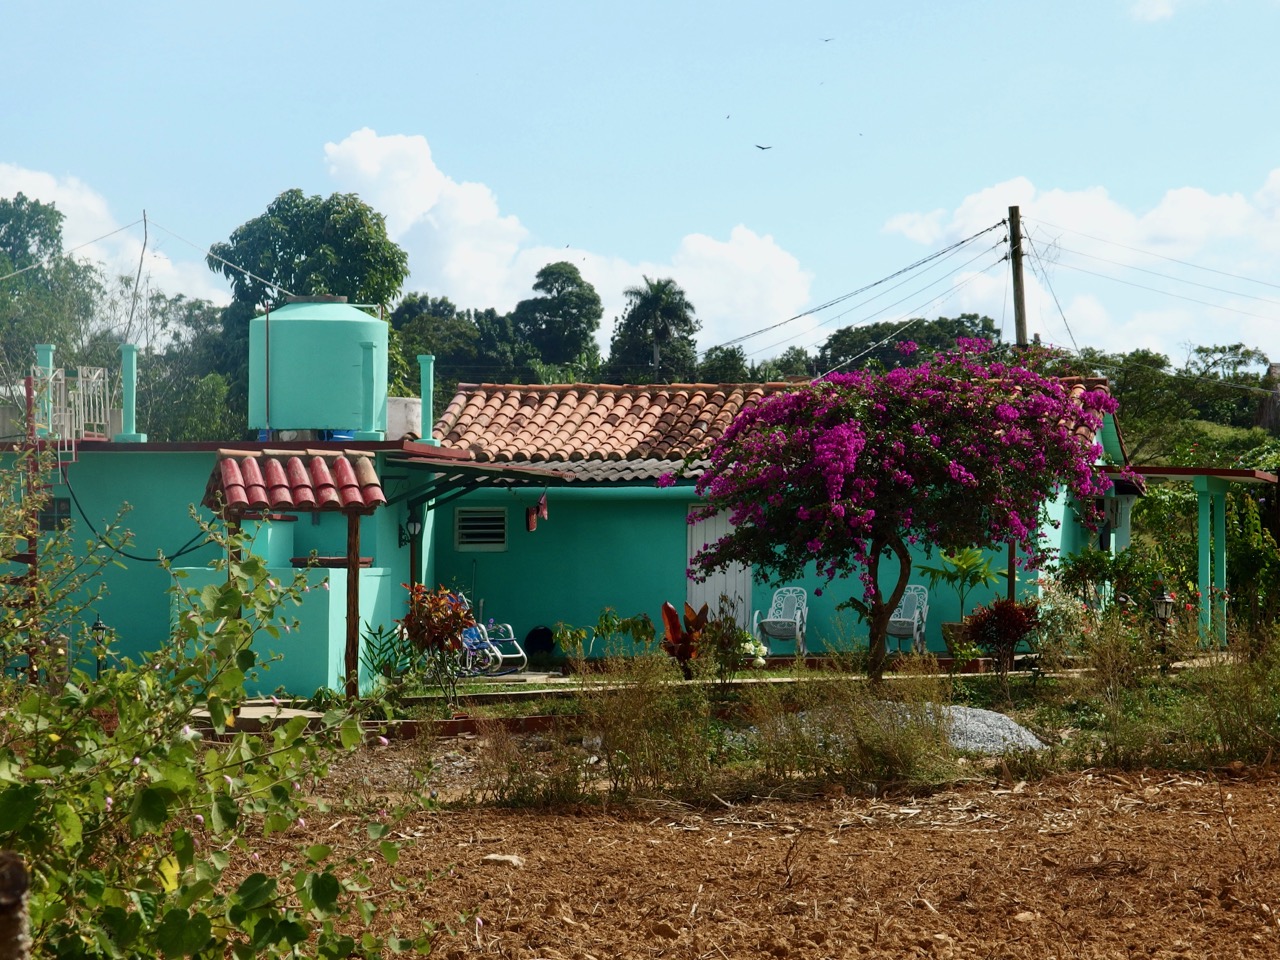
[[658, 312]]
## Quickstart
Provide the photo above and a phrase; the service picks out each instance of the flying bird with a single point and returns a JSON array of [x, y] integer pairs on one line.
[[758, 147]]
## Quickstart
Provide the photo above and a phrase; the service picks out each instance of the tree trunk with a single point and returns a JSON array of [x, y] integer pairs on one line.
[[881, 609]]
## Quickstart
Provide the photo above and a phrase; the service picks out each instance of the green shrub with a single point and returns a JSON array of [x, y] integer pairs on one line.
[[129, 817]]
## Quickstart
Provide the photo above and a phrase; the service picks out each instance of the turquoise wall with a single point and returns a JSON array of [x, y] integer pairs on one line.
[[312, 653], [627, 549], [619, 550], [157, 489]]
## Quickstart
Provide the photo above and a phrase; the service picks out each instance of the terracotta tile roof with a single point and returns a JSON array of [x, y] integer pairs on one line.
[[605, 433], [302, 480], [594, 423]]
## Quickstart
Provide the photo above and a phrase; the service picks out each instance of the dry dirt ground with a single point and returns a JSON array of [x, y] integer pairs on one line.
[[1086, 866]]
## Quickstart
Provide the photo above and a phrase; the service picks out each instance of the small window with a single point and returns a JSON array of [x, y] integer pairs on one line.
[[56, 514], [480, 529]]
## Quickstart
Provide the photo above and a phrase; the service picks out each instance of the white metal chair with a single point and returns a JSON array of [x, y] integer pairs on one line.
[[500, 639], [785, 619], [503, 639], [909, 619]]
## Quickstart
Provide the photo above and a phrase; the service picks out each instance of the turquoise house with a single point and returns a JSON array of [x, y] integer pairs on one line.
[[321, 491], [541, 503], [611, 537]]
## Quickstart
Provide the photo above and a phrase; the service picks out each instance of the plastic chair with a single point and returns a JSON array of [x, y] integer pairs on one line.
[[785, 619], [908, 620]]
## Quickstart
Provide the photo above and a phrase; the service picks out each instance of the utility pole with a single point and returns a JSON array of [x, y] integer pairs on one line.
[[1019, 298], [1020, 339]]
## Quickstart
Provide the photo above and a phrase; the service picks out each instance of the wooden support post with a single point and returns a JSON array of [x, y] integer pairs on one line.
[[352, 662], [15, 934]]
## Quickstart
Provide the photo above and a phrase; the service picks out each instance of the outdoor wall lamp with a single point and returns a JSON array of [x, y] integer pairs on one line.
[[1163, 607], [410, 530]]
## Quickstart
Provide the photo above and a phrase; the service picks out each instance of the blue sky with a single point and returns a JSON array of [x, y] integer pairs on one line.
[[1137, 136]]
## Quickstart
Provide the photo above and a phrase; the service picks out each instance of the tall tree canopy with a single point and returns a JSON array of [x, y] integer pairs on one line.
[[964, 451], [560, 325], [857, 348], [653, 341], [724, 365], [54, 298], [312, 245]]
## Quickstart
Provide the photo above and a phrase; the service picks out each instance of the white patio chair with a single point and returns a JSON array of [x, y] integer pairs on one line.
[[909, 619], [501, 639], [785, 619]]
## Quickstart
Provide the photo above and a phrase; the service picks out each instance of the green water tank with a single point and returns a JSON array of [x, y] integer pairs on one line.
[[319, 364]]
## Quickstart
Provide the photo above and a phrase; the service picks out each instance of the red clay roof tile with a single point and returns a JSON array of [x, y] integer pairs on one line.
[[650, 427], [579, 423], [251, 480]]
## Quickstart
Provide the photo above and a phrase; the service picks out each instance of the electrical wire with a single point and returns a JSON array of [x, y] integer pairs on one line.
[[840, 299], [66, 253], [1165, 276], [914, 293], [213, 256], [934, 302], [1044, 277], [1166, 293], [1160, 256], [189, 547]]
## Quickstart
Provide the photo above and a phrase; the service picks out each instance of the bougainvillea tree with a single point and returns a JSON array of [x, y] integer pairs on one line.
[[848, 470]]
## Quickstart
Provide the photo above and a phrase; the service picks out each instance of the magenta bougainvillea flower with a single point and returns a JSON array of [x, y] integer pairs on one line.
[[966, 450]]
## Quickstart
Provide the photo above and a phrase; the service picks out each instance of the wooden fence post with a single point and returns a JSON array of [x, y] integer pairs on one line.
[[15, 937]]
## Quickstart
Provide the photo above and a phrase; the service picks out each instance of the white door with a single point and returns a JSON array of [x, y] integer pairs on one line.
[[733, 582]]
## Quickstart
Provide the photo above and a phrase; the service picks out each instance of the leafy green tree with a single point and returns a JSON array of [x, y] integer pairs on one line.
[[793, 362], [724, 365], [876, 345], [653, 341], [312, 245], [139, 834], [53, 298], [1226, 384], [433, 325], [306, 246], [560, 325], [501, 355]]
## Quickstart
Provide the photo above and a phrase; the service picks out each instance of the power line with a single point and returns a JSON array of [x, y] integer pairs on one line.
[[1160, 256], [1165, 276], [936, 301], [66, 253], [1176, 296], [914, 293], [1044, 275], [213, 256], [840, 299]]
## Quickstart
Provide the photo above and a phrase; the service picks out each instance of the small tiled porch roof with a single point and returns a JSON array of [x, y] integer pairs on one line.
[[597, 432], [289, 480]]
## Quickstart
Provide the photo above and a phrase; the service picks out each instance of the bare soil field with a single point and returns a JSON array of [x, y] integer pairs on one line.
[[1098, 864]]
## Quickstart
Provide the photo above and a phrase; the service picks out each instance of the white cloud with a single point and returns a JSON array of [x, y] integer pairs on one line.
[[461, 245], [1151, 11], [1195, 267], [91, 232]]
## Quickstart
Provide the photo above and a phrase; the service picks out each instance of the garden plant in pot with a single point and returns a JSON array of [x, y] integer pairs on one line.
[[963, 571]]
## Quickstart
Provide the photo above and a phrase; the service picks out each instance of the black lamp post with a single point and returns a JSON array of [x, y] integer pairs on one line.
[[409, 536], [99, 631], [409, 531], [1163, 607]]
